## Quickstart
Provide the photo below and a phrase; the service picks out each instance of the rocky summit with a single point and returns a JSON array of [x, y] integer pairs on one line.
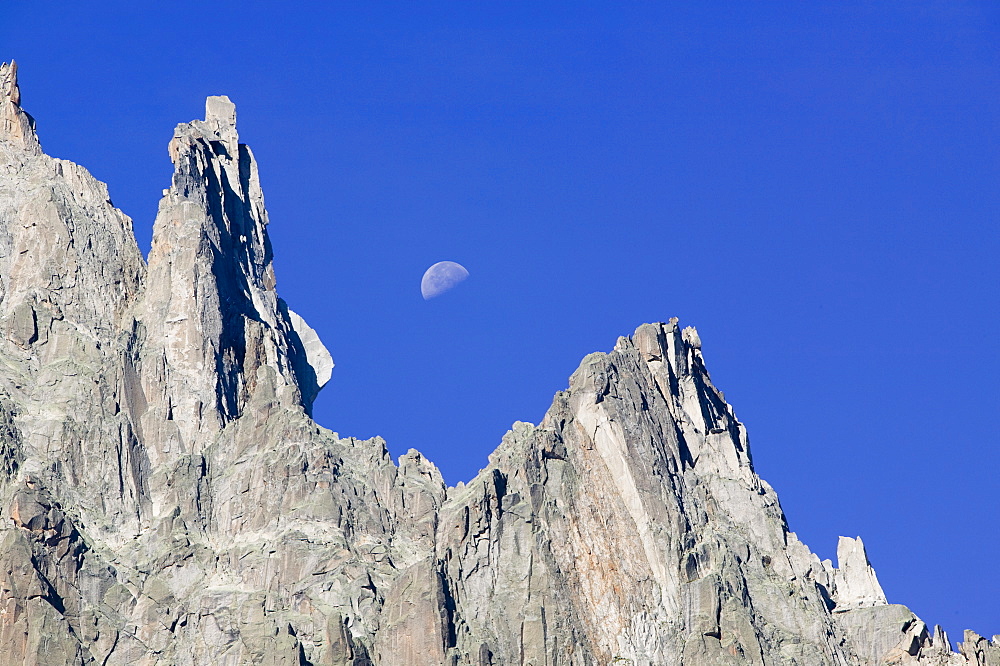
[[166, 498]]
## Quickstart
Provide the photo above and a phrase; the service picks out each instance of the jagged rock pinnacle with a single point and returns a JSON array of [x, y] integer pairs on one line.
[[211, 310], [857, 585], [8, 83], [16, 126]]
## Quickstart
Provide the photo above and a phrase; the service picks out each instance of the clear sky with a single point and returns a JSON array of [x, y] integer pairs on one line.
[[814, 185]]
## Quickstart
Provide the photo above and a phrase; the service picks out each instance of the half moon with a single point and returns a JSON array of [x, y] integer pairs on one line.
[[441, 277]]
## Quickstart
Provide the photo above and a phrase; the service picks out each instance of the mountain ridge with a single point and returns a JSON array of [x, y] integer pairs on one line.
[[166, 497]]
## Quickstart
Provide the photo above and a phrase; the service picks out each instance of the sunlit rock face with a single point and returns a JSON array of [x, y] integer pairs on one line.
[[166, 499]]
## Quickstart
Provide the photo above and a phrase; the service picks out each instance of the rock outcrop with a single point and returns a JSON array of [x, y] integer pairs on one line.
[[165, 497]]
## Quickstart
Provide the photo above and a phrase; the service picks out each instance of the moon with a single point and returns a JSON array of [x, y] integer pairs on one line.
[[441, 277]]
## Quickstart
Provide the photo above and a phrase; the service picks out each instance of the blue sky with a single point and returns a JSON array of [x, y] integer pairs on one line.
[[813, 185]]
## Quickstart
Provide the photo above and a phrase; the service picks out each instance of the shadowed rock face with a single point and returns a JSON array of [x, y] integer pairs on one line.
[[165, 497]]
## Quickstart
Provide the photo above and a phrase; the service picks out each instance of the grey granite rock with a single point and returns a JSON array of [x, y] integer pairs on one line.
[[317, 369], [855, 583], [165, 497]]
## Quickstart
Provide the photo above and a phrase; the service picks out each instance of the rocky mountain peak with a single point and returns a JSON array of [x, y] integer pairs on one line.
[[166, 499], [9, 89], [66, 253], [218, 337], [856, 584], [16, 126]]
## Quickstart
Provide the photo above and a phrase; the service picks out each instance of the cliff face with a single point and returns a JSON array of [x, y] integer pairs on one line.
[[165, 497]]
